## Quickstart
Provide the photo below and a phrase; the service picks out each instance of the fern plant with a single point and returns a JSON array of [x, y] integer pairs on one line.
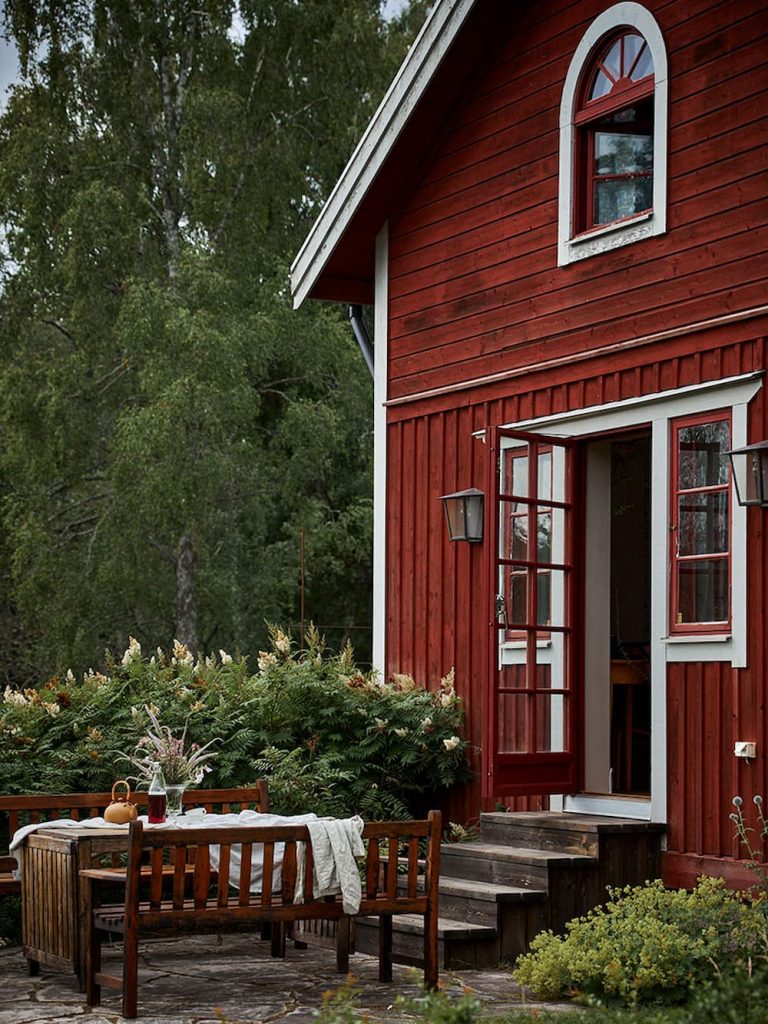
[[329, 737]]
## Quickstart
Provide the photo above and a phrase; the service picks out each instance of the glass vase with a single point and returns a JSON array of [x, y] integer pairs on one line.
[[174, 796]]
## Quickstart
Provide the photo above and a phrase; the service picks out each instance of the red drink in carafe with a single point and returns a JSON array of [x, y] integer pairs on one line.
[[156, 808], [156, 797]]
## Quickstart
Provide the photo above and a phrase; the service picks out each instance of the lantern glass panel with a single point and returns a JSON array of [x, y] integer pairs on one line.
[[750, 474], [474, 516], [454, 512]]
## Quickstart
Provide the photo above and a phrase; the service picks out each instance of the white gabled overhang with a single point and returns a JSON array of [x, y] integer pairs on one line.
[[424, 57]]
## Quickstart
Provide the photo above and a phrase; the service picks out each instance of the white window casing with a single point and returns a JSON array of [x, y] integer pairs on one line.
[[611, 236]]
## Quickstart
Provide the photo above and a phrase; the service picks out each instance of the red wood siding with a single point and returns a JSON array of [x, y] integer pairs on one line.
[[474, 285], [435, 602]]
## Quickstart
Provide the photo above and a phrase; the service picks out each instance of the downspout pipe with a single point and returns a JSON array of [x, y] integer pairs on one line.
[[362, 335]]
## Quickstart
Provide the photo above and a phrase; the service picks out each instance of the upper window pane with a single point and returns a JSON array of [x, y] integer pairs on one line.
[[601, 85], [623, 153], [701, 453], [624, 60], [633, 44], [612, 61], [643, 66]]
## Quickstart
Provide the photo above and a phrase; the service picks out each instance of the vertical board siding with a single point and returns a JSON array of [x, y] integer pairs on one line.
[[474, 286], [436, 605]]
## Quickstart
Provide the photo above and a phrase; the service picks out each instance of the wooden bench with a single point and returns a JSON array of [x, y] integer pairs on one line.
[[16, 811], [398, 878]]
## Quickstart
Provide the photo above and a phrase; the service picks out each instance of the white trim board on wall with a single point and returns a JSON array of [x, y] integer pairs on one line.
[[380, 343]]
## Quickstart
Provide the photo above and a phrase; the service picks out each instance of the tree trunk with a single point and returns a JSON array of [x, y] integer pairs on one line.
[[186, 593]]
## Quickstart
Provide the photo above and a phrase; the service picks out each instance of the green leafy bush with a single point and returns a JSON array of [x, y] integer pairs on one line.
[[646, 943], [735, 996], [329, 737]]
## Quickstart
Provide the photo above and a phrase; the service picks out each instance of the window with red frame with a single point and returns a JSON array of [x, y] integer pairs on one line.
[[514, 541], [614, 140], [701, 532]]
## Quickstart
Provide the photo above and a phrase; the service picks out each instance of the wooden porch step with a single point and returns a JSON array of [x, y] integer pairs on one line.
[[528, 872], [566, 833], [516, 866], [481, 902], [459, 943]]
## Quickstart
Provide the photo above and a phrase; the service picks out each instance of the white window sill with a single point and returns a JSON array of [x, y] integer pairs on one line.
[[698, 638], [607, 229], [612, 236], [708, 647]]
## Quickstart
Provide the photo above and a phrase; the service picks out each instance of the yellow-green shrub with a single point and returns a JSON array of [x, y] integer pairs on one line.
[[646, 943]]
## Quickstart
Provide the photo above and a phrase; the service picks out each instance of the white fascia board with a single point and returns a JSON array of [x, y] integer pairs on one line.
[[424, 57]]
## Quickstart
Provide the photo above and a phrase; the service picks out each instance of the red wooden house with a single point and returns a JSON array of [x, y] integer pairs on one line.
[[560, 215]]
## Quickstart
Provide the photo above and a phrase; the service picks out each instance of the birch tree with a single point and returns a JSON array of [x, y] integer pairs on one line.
[[167, 424]]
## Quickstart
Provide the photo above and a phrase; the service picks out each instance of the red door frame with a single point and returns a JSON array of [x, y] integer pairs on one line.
[[531, 772]]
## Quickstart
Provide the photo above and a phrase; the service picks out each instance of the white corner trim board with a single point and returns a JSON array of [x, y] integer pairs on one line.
[[424, 57], [380, 450], [570, 247]]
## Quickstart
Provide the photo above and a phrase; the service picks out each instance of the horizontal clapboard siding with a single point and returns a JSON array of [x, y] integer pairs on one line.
[[474, 286]]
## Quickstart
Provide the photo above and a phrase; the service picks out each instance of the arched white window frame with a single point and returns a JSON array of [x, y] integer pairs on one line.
[[572, 247]]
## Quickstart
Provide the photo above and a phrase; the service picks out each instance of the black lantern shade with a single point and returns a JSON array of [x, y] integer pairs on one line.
[[464, 514], [750, 473]]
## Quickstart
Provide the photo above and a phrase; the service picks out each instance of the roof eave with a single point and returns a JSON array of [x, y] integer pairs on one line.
[[415, 73]]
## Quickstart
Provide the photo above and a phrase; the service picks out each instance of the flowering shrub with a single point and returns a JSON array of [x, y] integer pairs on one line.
[[647, 942], [330, 737]]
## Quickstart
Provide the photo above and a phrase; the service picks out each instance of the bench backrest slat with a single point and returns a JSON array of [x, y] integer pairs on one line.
[[288, 873], [179, 876], [202, 882], [372, 869], [244, 886], [309, 871], [394, 849], [413, 862], [267, 878], [223, 883], [156, 884]]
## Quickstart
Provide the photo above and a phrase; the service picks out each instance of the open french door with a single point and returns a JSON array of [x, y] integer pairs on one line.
[[530, 714]]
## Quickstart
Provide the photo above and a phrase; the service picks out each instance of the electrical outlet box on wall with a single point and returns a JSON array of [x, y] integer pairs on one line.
[[744, 749]]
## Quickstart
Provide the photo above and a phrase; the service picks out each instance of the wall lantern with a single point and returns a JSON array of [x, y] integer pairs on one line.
[[750, 473], [464, 514]]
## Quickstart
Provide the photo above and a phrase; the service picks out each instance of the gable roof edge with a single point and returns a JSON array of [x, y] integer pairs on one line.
[[414, 75]]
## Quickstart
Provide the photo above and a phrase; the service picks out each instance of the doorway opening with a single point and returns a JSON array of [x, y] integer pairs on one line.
[[617, 603]]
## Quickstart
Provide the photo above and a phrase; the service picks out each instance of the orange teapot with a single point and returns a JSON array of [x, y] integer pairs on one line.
[[121, 811]]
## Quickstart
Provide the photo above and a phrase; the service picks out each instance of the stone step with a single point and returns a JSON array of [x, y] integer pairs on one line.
[[566, 833], [524, 867], [459, 943]]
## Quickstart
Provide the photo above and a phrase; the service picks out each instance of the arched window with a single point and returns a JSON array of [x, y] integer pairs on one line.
[[613, 136]]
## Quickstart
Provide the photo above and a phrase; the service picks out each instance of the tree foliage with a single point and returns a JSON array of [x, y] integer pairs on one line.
[[168, 425]]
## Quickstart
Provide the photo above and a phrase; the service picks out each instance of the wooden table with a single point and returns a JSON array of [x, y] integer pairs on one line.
[[53, 915]]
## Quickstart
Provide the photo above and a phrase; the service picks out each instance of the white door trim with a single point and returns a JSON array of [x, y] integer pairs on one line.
[[657, 410]]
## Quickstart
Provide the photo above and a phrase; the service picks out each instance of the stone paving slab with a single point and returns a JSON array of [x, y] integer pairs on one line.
[[233, 979]]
